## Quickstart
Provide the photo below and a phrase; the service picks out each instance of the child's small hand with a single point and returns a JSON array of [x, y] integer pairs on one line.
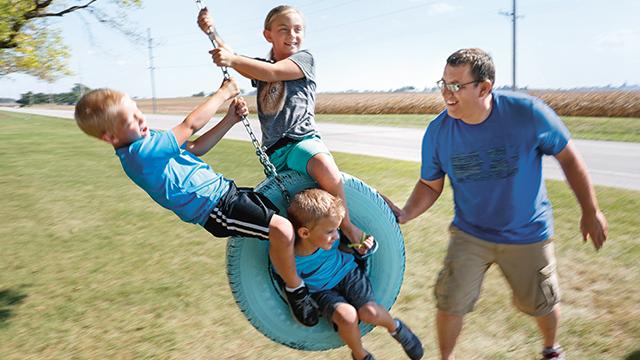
[[367, 244], [364, 245], [204, 21], [223, 56], [237, 109], [229, 88]]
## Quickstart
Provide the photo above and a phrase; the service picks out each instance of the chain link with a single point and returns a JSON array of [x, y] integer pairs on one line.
[[269, 168]]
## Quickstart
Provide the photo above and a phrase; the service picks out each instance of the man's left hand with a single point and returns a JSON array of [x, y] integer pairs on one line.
[[594, 226]]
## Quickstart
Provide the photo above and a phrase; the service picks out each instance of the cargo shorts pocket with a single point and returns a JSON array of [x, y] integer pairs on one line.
[[549, 291]]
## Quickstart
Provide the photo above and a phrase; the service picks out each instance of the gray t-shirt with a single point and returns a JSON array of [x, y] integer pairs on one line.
[[287, 108]]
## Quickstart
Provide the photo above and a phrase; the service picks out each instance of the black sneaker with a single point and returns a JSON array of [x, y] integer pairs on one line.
[[554, 353], [409, 341], [302, 306]]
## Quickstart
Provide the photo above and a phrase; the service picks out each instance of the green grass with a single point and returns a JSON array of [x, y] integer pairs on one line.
[[91, 268], [592, 128], [603, 128]]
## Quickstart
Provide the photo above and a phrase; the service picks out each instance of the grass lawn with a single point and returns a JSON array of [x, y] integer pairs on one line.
[[592, 128], [92, 268]]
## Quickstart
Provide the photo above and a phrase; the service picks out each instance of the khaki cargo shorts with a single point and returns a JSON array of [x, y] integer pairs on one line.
[[529, 269]]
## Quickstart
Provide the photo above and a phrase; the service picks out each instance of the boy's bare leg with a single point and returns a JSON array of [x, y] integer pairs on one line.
[[346, 318], [372, 313], [281, 241], [449, 327], [323, 169]]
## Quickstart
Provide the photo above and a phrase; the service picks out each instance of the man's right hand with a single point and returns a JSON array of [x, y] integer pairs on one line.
[[401, 216]]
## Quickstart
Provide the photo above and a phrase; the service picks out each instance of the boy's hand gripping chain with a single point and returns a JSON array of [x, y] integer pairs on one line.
[[269, 169]]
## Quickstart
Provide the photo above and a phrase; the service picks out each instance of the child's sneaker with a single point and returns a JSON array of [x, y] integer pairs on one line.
[[409, 341], [553, 353], [302, 306]]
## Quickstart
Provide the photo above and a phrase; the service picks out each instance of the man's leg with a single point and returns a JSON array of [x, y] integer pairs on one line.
[[548, 325], [458, 286], [531, 271], [448, 327]]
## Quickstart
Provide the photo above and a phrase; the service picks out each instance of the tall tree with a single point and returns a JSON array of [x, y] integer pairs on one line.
[[28, 44]]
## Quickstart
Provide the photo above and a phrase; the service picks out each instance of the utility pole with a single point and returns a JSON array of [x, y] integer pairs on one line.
[[151, 68], [514, 17]]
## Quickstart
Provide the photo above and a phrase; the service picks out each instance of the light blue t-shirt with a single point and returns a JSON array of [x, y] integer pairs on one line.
[[324, 269], [495, 168], [173, 177]]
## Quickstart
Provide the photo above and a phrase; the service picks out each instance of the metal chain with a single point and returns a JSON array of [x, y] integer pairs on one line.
[[269, 168]]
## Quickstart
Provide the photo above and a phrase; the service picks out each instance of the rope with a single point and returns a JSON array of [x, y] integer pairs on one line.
[[269, 168]]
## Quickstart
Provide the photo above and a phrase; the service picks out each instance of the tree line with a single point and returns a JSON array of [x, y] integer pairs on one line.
[[65, 98]]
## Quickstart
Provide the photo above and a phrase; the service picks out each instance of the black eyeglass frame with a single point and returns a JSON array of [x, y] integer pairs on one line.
[[453, 87]]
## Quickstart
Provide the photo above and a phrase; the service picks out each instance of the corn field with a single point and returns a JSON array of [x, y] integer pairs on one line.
[[565, 103]]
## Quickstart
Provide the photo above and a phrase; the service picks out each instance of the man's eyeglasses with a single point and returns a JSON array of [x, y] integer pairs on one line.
[[453, 87]]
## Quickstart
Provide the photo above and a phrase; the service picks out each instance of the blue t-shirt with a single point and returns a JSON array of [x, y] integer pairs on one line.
[[495, 168], [324, 269], [173, 177]]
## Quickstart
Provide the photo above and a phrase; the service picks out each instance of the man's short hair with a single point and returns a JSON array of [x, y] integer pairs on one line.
[[311, 205], [97, 111], [481, 63]]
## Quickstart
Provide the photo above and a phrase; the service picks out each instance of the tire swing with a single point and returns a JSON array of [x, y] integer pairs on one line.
[[253, 282], [258, 294]]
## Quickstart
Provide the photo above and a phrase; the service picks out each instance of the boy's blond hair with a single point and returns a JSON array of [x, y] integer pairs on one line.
[[97, 111], [278, 10], [311, 205]]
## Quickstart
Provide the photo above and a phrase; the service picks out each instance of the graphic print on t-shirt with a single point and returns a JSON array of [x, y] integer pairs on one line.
[[490, 164], [272, 97]]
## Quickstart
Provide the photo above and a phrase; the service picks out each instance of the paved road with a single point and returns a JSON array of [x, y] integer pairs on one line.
[[610, 163]]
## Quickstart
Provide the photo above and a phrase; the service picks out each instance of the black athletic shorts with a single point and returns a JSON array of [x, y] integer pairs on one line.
[[355, 289], [241, 212]]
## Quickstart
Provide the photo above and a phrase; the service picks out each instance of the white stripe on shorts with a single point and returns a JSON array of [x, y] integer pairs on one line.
[[241, 226]]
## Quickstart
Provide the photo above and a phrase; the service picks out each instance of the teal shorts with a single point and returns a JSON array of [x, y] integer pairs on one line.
[[296, 155]]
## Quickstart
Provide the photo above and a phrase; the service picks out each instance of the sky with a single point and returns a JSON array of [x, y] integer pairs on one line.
[[357, 44]]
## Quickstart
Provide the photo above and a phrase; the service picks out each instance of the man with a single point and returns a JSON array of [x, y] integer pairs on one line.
[[490, 145]]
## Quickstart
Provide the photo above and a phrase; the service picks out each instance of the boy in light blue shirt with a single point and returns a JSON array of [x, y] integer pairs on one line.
[[165, 164], [341, 289]]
